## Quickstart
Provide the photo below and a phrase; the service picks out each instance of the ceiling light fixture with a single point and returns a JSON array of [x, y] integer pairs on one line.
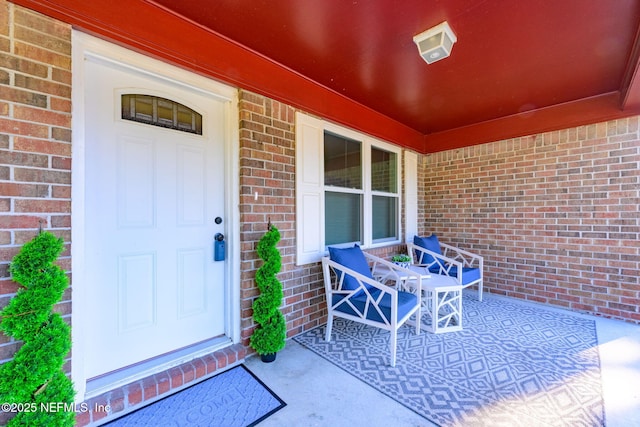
[[435, 43]]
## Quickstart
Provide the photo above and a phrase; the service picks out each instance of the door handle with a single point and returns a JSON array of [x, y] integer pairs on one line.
[[218, 247]]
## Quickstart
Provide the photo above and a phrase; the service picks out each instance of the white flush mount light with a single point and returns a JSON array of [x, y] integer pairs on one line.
[[435, 43]]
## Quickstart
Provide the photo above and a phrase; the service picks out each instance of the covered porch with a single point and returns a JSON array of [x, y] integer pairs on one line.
[[545, 187]]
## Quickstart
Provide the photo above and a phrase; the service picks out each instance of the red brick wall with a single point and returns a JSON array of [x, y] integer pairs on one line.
[[35, 140], [556, 215], [267, 167]]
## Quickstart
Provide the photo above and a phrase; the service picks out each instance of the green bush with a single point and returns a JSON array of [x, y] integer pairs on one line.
[[271, 332], [35, 376]]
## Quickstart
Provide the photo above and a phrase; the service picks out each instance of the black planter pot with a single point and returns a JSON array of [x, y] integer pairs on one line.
[[268, 358]]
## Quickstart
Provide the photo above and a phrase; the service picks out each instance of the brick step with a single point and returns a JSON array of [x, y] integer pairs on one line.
[[130, 397]]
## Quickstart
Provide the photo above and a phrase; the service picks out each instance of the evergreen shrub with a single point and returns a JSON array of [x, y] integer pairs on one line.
[[34, 380], [270, 334]]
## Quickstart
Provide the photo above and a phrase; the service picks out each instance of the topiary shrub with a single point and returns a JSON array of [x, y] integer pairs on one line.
[[33, 382], [270, 334]]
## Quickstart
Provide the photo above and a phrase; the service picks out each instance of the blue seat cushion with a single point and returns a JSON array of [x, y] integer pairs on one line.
[[469, 274], [430, 243], [353, 259], [406, 302]]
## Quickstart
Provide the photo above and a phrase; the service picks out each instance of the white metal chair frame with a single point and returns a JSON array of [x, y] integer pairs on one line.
[[451, 257], [334, 274]]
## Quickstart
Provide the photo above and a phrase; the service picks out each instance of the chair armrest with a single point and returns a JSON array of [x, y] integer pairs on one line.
[[468, 259], [443, 263], [460, 257]]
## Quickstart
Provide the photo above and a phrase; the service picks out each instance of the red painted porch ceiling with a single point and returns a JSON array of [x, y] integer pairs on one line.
[[511, 56], [519, 67]]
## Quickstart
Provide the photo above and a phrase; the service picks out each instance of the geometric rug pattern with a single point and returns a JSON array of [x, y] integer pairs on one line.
[[511, 365], [234, 398]]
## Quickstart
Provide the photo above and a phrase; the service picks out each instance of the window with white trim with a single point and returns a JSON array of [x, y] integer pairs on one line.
[[347, 189]]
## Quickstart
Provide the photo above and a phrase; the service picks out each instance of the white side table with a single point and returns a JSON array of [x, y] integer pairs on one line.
[[441, 298]]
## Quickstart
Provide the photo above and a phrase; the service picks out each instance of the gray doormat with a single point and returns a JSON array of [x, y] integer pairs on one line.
[[512, 365], [234, 398]]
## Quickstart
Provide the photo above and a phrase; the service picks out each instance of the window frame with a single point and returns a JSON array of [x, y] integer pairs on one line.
[[367, 193], [310, 219], [130, 114]]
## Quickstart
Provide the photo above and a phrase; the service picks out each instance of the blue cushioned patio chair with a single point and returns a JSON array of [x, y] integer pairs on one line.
[[441, 258], [352, 293]]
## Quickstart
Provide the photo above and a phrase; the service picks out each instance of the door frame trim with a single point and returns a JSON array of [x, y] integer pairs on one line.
[[85, 47]]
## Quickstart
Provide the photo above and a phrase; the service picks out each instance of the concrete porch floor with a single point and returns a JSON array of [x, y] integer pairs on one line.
[[318, 393]]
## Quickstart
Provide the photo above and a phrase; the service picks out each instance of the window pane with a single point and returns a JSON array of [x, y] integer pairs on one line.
[[342, 162], [384, 217], [156, 111], [342, 218], [383, 171]]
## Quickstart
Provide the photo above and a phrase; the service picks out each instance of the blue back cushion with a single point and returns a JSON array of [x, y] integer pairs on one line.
[[354, 259], [430, 243]]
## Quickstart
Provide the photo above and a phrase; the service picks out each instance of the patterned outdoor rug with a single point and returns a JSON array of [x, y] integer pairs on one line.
[[511, 365], [233, 398]]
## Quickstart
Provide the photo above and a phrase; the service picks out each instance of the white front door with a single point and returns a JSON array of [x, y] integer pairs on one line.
[[154, 200]]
